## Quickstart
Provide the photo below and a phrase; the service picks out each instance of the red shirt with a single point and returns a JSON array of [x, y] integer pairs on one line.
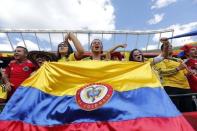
[[18, 72], [192, 64]]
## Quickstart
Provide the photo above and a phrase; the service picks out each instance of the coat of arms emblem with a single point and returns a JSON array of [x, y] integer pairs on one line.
[[93, 96]]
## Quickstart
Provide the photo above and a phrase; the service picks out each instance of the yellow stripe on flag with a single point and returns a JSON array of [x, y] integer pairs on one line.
[[66, 78]]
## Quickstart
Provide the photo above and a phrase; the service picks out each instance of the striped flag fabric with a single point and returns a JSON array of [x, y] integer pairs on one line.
[[92, 96]]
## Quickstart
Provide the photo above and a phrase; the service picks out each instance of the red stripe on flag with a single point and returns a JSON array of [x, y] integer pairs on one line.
[[141, 124]]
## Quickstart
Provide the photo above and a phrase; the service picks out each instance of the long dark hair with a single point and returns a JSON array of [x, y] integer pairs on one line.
[[70, 49], [131, 57]]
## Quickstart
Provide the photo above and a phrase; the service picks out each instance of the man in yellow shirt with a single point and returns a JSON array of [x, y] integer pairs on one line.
[[172, 73], [96, 50]]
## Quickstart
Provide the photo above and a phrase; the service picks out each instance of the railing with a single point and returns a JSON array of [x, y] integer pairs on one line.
[[192, 95], [127, 36]]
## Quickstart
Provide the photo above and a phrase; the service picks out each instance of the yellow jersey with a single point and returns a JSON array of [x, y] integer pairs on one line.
[[170, 76], [70, 58]]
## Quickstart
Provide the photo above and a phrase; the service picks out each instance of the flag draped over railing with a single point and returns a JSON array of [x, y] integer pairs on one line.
[[92, 95]]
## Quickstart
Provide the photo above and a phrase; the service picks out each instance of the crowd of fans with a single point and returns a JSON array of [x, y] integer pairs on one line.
[[178, 76]]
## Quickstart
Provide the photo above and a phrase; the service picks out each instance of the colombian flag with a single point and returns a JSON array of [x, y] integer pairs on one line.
[[92, 96]]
